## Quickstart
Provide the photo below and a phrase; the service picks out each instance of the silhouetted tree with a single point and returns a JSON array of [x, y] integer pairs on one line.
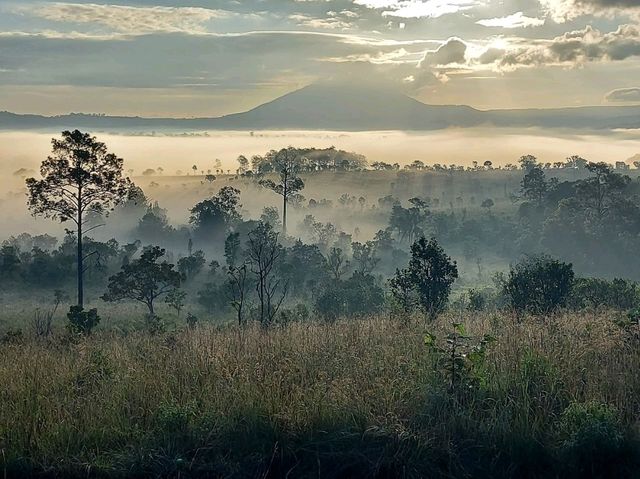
[[358, 295], [244, 164], [488, 204], [534, 185], [144, 280], [286, 164], [402, 290], [337, 263], [237, 284], [432, 273], [190, 266], [264, 251], [80, 176], [528, 162], [364, 256], [232, 249], [213, 217]]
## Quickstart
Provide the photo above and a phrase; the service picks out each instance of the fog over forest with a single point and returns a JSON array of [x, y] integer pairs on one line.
[[177, 152]]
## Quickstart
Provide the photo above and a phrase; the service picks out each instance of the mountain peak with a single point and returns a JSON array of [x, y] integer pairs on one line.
[[353, 107]]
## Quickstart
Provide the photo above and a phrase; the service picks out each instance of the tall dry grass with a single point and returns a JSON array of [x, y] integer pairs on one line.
[[353, 398]]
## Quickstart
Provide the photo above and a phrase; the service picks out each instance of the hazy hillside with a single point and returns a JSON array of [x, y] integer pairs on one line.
[[329, 107]]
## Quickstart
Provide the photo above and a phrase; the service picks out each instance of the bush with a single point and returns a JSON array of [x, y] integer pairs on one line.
[[478, 299], [298, 313], [619, 294], [13, 336], [155, 324], [213, 297], [192, 320], [81, 321], [592, 440], [359, 295], [539, 285]]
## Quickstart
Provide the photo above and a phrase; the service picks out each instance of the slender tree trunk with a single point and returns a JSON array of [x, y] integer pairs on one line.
[[80, 260], [284, 206], [284, 216], [261, 296]]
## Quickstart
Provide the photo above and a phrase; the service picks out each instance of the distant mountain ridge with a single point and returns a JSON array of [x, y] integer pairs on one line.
[[353, 108]]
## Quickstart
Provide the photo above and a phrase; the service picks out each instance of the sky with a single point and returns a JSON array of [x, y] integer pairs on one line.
[[209, 58]]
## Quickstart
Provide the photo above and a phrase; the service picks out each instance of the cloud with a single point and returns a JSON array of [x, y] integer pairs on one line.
[[164, 60], [418, 8], [429, 69], [565, 10], [127, 19], [517, 20], [576, 47], [331, 23], [490, 55], [450, 52], [624, 95], [399, 56]]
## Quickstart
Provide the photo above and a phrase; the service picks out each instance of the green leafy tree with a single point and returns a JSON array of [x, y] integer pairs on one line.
[[534, 185], [176, 299], [402, 290], [144, 279], [357, 296], [528, 162], [214, 216], [576, 162], [432, 273], [190, 266], [601, 191], [9, 262], [408, 221], [79, 177], [82, 322]]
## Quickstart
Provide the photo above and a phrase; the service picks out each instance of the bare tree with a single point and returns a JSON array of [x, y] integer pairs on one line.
[[237, 282], [264, 252], [337, 263]]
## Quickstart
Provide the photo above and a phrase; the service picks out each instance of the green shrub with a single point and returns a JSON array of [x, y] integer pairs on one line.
[[539, 285], [592, 440], [13, 336], [81, 321], [192, 320], [619, 294]]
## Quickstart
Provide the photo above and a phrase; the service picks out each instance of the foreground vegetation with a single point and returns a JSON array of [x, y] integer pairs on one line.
[[471, 394]]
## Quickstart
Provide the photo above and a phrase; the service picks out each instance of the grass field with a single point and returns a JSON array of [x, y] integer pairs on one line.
[[552, 397]]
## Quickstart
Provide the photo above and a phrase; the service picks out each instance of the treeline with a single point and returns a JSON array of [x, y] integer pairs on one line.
[[593, 222]]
